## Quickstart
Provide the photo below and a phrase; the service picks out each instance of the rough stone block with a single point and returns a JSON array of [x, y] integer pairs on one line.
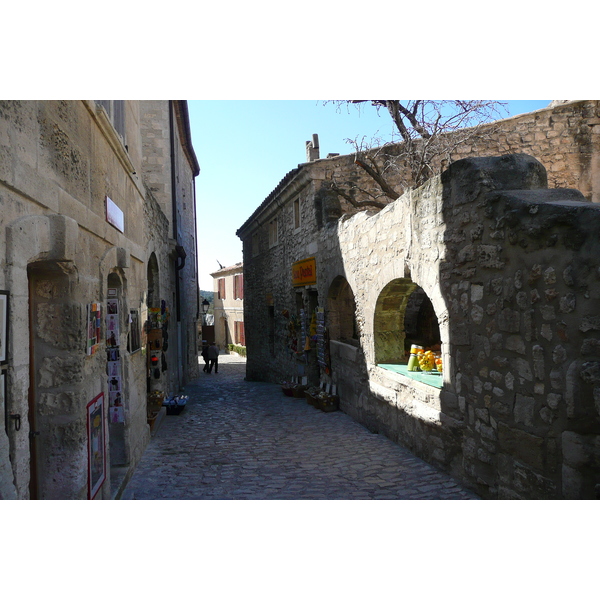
[[523, 368], [523, 446], [509, 320], [524, 409]]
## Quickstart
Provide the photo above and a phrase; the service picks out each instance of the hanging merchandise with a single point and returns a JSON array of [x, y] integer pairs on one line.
[[322, 342], [94, 320], [158, 317], [303, 327], [113, 361], [292, 331], [157, 340], [165, 341]]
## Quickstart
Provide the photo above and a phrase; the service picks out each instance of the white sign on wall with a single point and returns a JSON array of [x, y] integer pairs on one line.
[[114, 215]]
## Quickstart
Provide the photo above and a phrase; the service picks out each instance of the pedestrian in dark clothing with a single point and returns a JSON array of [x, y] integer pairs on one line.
[[213, 357], [204, 355]]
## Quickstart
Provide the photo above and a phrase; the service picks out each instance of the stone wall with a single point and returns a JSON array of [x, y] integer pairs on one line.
[[514, 279], [512, 273], [168, 172], [565, 138], [59, 160]]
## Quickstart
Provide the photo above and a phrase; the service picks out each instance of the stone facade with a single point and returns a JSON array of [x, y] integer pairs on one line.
[[565, 138], [60, 164], [507, 263], [229, 306]]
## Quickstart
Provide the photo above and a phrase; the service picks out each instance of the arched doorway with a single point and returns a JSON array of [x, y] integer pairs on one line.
[[57, 457], [341, 312]]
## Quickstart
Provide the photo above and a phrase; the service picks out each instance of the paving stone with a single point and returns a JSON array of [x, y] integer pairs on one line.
[[247, 441]]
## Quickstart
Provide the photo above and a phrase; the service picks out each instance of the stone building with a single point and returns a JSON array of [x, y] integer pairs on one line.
[[98, 272], [494, 262], [229, 306]]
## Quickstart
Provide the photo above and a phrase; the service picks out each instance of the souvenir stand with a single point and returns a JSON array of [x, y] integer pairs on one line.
[[157, 345], [156, 362], [116, 398], [303, 339]]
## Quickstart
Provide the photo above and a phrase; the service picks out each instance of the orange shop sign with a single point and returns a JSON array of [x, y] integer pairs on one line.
[[304, 272]]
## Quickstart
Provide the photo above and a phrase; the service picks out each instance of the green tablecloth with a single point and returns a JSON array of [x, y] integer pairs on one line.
[[432, 378]]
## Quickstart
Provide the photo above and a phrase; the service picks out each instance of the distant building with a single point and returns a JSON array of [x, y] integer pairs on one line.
[[229, 306]]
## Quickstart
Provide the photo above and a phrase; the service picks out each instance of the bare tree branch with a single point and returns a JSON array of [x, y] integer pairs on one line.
[[376, 175], [431, 132], [353, 201]]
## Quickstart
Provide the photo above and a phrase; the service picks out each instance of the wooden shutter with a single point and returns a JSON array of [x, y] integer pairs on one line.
[[240, 334], [238, 287]]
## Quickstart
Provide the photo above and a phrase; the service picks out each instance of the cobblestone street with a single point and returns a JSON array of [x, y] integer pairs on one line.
[[246, 440]]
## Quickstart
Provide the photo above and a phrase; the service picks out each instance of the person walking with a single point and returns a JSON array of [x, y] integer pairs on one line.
[[204, 355], [213, 357]]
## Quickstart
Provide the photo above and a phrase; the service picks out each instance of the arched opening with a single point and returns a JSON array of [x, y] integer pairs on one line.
[[420, 321], [388, 326], [224, 337], [57, 458], [341, 309], [404, 315]]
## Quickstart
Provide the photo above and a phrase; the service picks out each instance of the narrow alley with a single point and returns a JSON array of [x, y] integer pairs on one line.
[[244, 440]]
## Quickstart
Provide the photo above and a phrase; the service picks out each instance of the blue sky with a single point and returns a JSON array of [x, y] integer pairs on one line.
[[245, 147]]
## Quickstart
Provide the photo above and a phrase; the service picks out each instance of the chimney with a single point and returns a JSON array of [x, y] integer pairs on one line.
[[312, 149]]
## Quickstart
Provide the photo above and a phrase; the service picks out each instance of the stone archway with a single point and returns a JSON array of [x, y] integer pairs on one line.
[[388, 324], [341, 311], [56, 371], [41, 271], [404, 315]]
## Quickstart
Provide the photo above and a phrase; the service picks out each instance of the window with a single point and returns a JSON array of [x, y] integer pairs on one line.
[[240, 335], [255, 249], [115, 109], [272, 233], [238, 287], [296, 213], [221, 288]]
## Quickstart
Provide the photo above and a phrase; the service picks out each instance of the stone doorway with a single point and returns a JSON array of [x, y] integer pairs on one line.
[[56, 422]]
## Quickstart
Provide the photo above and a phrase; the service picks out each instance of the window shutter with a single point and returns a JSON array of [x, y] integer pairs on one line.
[[238, 287], [240, 334]]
